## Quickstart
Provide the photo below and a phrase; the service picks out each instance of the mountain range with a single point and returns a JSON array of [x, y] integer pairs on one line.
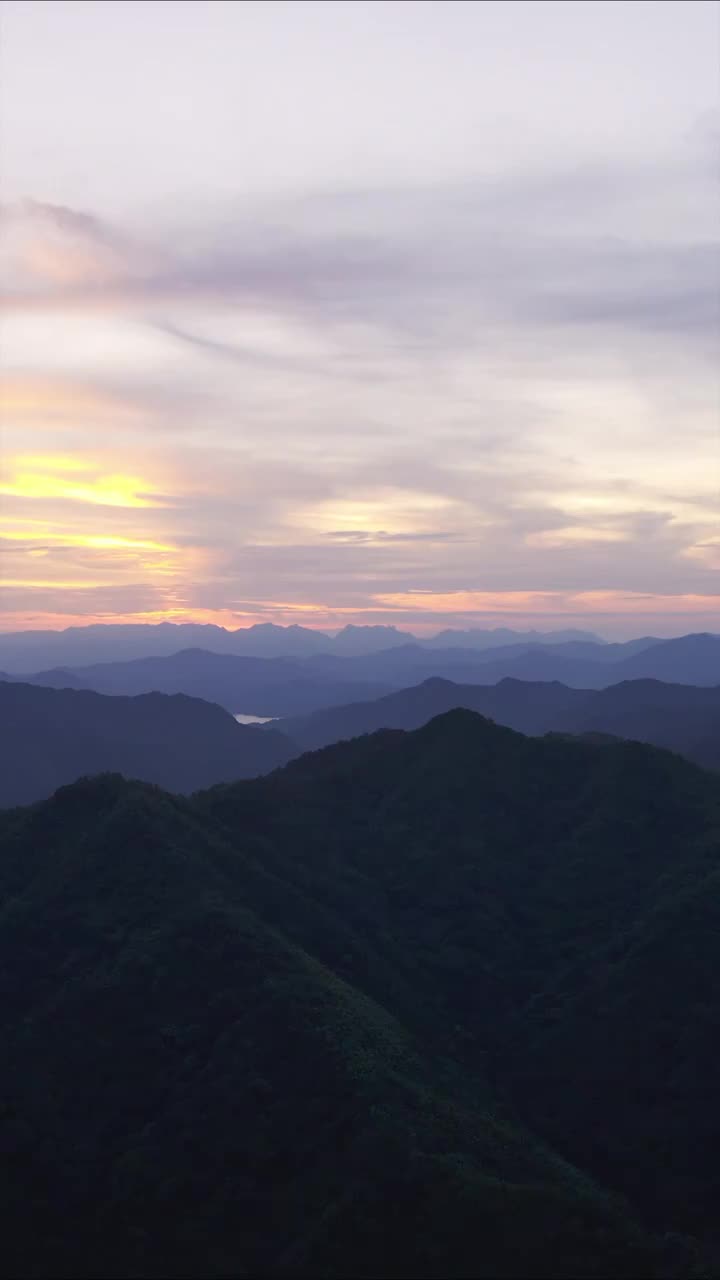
[[690, 659], [55, 736], [440, 1003], [286, 687], [251, 686], [26, 651]]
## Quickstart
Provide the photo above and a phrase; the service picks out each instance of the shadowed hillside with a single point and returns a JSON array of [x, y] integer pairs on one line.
[[681, 718], [417, 1005], [53, 736]]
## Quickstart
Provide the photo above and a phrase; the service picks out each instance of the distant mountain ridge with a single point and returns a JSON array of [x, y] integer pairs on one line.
[[251, 686], [27, 651]]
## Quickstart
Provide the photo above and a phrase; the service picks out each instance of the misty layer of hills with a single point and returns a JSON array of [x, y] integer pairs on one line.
[[26, 651], [54, 736], [286, 687], [251, 686], [431, 1004]]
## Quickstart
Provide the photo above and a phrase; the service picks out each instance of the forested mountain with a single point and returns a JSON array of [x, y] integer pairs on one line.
[[419, 1005], [54, 736], [683, 718]]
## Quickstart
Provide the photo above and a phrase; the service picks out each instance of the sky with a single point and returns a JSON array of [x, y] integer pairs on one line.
[[390, 311]]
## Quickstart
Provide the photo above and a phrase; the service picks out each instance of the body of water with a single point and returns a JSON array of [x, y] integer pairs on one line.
[[254, 719]]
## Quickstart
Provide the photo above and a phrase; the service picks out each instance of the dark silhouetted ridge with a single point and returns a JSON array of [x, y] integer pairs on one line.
[[682, 718], [439, 1003], [53, 736]]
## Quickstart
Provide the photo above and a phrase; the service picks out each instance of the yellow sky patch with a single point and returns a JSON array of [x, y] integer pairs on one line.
[[390, 512], [71, 479], [100, 542]]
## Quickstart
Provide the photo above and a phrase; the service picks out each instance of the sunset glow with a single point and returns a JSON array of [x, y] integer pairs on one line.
[[445, 364], [73, 480]]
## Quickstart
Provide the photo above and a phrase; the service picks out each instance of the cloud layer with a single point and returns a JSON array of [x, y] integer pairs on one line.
[[429, 401]]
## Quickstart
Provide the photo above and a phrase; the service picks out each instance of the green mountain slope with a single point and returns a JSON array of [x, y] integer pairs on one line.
[[346, 1020]]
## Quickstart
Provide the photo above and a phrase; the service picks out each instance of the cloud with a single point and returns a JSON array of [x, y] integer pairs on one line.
[[50, 251], [76, 223], [427, 262], [354, 403]]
